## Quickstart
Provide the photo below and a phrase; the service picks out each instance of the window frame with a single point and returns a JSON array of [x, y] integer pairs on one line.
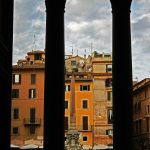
[[66, 122], [110, 116], [33, 78], [109, 69], [85, 137], [15, 93], [16, 78], [85, 123], [82, 86], [32, 93], [66, 104], [84, 100], [15, 133], [67, 87], [109, 95], [15, 114]]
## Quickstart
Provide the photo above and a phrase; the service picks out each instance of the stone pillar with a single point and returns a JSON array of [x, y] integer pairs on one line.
[[54, 76], [72, 104], [72, 141], [6, 42], [122, 75]]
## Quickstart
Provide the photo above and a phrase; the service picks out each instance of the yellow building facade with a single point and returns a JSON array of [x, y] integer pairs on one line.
[[83, 106]]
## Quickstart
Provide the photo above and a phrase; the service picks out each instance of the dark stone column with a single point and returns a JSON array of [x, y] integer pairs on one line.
[[54, 76], [122, 75], [6, 40]]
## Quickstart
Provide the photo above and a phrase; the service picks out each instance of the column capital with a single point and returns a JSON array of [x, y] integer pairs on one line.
[[55, 5], [121, 5]]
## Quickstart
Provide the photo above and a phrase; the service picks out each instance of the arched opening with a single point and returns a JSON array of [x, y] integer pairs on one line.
[[6, 79]]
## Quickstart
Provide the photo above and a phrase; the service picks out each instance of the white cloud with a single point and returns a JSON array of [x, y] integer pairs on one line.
[[29, 20], [86, 22]]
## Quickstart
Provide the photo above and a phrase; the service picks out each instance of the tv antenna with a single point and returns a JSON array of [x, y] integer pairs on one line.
[[72, 50], [34, 42], [77, 52], [91, 48]]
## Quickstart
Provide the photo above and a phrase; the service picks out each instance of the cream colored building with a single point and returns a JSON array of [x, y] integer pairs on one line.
[[100, 68], [141, 115], [102, 98]]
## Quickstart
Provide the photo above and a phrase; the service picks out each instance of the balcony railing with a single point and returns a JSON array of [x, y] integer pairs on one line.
[[30, 121], [81, 128]]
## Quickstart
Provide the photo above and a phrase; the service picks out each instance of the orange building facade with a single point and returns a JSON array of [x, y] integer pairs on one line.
[[91, 98], [83, 106], [28, 98]]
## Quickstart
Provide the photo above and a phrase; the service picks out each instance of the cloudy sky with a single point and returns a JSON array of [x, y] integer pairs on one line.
[[88, 25]]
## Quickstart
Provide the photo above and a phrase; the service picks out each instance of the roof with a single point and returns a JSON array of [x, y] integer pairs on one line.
[[36, 52], [74, 57], [139, 85], [28, 66]]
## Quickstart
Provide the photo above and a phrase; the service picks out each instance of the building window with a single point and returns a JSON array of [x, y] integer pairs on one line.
[[108, 82], [109, 132], [109, 68], [73, 63], [135, 107], [32, 93], [85, 122], [66, 104], [15, 113], [84, 138], [66, 123], [136, 127], [84, 87], [147, 124], [32, 115], [15, 130], [146, 92], [109, 95], [37, 57], [147, 109], [16, 78], [110, 116], [67, 87], [140, 126], [32, 129], [139, 107], [33, 78], [84, 104], [15, 93]]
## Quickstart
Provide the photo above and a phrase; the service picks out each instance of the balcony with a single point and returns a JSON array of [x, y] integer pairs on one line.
[[80, 128], [30, 121]]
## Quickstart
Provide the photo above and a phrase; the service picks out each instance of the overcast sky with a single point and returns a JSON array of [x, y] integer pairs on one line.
[[88, 25]]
